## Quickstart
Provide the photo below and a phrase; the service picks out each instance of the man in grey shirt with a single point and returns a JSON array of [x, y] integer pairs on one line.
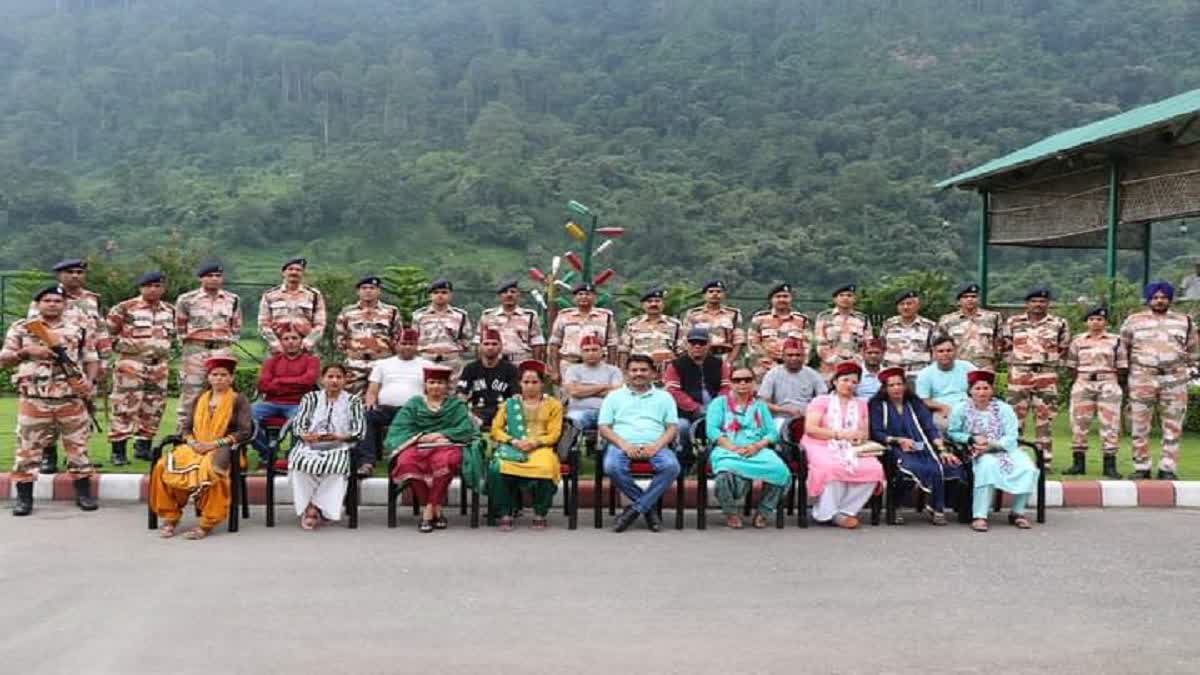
[[788, 388], [586, 384]]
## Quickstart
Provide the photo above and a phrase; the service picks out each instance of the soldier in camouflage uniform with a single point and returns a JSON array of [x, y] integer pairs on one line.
[[208, 322], [841, 332], [724, 324], [1162, 346], [573, 323], [1036, 342], [51, 405], [1094, 358], [520, 328], [907, 337], [82, 307], [444, 330], [366, 332], [295, 304], [977, 332], [769, 328], [652, 334], [143, 329]]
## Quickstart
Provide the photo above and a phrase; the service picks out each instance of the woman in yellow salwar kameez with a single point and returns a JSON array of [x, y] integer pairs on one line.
[[526, 430], [218, 422]]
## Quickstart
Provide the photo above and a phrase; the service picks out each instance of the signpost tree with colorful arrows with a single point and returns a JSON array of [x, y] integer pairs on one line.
[[581, 266]]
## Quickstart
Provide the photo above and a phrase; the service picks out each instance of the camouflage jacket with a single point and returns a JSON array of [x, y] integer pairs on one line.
[[84, 309], [907, 344], [724, 326], [1165, 342], [768, 331], [1102, 354], [1036, 343], [978, 337], [200, 317], [520, 331], [141, 329], [46, 379], [445, 334], [571, 325], [304, 306], [839, 336], [367, 333], [661, 340]]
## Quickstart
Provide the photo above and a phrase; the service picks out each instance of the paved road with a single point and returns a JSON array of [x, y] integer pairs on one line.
[[1091, 592]]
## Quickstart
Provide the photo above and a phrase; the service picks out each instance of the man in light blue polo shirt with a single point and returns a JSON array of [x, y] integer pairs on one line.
[[639, 423], [942, 385]]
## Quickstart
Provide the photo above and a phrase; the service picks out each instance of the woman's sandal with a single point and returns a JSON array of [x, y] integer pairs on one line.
[[167, 530], [506, 524], [308, 522], [538, 523], [733, 522], [440, 523], [425, 526], [366, 470], [979, 525], [196, 533], [1019, 521], [759, 522], [937, 519], [897, 519]]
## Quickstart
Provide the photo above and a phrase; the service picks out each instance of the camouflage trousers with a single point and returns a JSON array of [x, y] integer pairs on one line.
[[139, 394], [1099, 399], [41, 422], [192, 375], [357, 372], [1038, 390], [1167, 392]]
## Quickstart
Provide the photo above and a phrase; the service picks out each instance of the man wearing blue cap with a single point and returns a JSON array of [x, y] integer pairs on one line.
[[694, 380], [294, 304], [143, 331], [1096, 358], [208, 321], [520, 328], [365, 332], [444, 331], [653, 333], [975, 331], [573, 324], [841, 333], [771, 328], [82, 307], [1162, 349], [1036, 342], [724, 324]]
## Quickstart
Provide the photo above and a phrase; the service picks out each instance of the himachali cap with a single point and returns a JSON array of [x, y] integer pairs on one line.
[[845, 288], [792, 343], [888, 373], [713, 283], [410, 336], [591, 340], [506, 285], [905, 295], [846, 368], [583, 287], [300, 328], [872, 343], [437, 373], [781, 288], [1036, 293], [150, 278], [532, 364], [967, 289], [369, 280], [490, 334], [653, 293], [698, 335], [69, 264], [302, 262], [1100, 311], [209, 268], [49, 290], [978, 375], [227, 362]]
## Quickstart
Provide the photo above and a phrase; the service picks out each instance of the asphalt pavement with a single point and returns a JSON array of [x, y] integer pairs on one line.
[[1092, 591]]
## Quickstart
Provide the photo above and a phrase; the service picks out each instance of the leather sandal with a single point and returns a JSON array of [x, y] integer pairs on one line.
[[979, 525], [759, 522], [1019, 521], [425, 526], [733, 522]]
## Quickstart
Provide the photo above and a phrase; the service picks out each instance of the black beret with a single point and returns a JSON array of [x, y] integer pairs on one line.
[[371, 280], [905, 295], [154, 277], [1038, 293], [584, 286], [505, 285], [440, 284], [1100, 311], [845, 288], [713, 283], [69, 264], [209, 268], [302, 262], [781, 288], [55, 289], [654, 292], [968, 288]]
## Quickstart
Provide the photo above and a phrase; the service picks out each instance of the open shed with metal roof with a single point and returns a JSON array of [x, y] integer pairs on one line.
[[1097, 186]]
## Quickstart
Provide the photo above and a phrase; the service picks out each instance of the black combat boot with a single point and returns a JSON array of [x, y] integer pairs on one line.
[[49, 460], [118, 453], [1140, 474], [1110, 468], [83, 495], [24, 504], [1167, 475], [142, 449], [1078, 465]]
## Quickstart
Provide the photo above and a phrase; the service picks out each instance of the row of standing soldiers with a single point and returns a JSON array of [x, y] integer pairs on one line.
[[1156, 347]]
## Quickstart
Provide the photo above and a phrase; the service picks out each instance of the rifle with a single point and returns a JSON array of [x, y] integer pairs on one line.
[[70, 369]]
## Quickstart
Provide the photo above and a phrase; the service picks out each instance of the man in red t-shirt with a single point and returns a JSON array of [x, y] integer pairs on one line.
[[282, 381]]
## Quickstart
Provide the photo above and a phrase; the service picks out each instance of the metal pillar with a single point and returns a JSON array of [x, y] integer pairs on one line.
[[985, 233], [1146, 258], [1114, 217]]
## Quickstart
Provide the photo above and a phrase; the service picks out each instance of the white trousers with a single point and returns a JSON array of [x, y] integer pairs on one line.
[[844, 498], [324, 492]]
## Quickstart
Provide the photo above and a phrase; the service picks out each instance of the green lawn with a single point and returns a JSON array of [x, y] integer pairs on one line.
[[1189, 463]]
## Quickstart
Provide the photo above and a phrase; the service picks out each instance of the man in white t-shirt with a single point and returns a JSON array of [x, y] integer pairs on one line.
[[392, 382]]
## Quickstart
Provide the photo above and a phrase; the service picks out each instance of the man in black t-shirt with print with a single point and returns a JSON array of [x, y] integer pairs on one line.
[[488, 380]]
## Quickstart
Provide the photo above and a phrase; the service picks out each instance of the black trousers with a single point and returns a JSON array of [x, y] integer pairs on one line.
[[370, 449]]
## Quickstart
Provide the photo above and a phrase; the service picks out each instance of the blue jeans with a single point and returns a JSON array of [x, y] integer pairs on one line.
[[261, 411], [666, 470], [584, 420]]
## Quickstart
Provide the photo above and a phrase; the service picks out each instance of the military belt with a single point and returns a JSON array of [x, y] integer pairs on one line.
[[1162, 370], [1095, 377]]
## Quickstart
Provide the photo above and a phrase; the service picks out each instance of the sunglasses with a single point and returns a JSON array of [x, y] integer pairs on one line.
[[736, 380]]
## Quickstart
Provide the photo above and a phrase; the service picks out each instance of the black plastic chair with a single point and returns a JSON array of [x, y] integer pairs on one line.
[[237, 483], [797, 460], [569, 454], [1039, 460], [958, 494], [394, 489], [285, 436], [703, 455], [639, 469]]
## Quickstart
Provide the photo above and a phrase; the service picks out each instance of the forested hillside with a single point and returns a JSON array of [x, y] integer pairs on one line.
[[757, 139]]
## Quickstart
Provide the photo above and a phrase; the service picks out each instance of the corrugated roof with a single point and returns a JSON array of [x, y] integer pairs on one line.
[[1072, 140]]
